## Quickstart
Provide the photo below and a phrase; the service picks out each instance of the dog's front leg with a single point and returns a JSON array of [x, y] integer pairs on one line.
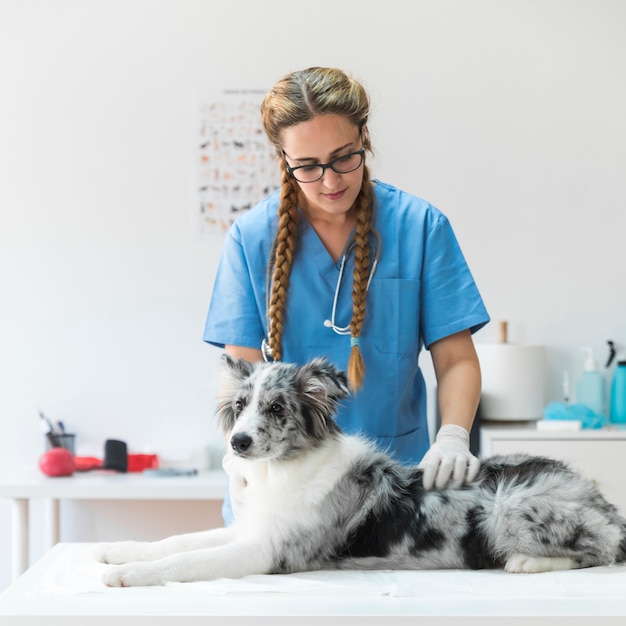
[[131, 551], [234, 560]]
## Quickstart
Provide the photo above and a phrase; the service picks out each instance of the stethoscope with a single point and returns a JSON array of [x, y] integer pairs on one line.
[[332, 322]]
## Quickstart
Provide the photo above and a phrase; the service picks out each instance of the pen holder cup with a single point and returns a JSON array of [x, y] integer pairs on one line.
[[66, 440]]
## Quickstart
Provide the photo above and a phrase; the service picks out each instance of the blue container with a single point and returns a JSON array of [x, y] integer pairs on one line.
[[618, 394], [590, 389]]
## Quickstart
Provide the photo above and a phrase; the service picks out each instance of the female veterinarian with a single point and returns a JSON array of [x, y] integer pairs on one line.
[[339, 265]]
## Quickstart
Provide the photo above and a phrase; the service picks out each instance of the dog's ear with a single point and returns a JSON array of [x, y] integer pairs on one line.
[[234, 372], [239, 368], [320, 377], [323, 386]]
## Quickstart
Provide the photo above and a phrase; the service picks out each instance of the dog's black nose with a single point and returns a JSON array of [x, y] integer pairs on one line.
[[241, 442]]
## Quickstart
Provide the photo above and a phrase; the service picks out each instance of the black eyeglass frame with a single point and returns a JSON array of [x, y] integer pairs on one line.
[[324, 166]]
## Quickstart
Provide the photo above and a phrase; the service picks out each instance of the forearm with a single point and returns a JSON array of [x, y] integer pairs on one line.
[[458, 379], [248, 354], [458, 393]]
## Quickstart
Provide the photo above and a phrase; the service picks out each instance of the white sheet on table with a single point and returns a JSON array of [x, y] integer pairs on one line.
[[77, 572]]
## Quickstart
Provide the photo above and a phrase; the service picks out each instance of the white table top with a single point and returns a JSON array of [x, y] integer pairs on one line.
[[102, 485], [66, 582]]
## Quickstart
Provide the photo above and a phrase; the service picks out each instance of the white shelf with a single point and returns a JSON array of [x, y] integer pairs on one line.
[[100, 485]]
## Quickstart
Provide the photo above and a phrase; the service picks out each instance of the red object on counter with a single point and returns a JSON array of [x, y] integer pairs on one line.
[[136, 462], [86, 463], [140, 462], [57, 462]]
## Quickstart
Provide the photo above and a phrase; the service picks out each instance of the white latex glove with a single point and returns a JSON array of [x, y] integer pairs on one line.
[[449, 460]]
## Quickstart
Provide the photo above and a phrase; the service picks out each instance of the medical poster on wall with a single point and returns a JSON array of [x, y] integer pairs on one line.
[[236, 164]]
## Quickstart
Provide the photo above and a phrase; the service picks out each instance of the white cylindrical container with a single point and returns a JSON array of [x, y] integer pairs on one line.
[[513, 381]]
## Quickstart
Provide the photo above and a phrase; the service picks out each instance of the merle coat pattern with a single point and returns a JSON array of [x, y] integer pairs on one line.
[[308, 497]]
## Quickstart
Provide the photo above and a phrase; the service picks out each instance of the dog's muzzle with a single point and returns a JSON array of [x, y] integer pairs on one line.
[[241, 442]]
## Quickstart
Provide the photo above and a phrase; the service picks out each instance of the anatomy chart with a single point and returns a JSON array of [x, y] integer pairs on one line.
[[236, 164]]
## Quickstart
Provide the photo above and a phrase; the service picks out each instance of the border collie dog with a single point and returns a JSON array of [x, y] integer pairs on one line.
[[308, 497]]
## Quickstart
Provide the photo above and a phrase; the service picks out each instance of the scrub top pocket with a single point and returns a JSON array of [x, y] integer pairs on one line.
[[394, 322]]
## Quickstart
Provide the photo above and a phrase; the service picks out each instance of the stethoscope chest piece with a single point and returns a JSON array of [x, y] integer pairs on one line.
[[266, 351]]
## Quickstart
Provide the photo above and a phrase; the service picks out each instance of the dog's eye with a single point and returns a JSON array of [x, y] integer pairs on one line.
[[238, 406], [277, 409]]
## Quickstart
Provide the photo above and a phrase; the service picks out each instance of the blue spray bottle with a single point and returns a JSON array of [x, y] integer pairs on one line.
[[618, 384]]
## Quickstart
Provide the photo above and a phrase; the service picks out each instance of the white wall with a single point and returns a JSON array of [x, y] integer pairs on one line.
[[508, 115]]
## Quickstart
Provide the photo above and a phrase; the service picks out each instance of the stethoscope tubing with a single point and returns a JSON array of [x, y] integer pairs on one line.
[[331, 323]]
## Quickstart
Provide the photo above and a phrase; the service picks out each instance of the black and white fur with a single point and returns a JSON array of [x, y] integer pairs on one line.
[[308, 497]]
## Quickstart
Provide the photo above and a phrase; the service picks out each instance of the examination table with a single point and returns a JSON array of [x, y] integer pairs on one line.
[[64, 587]]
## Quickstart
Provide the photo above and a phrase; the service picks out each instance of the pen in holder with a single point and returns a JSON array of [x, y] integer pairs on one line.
[[56, 437], [61, 440]]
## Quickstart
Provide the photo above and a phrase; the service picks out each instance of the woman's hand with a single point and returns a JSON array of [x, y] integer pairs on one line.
[[449, 460]]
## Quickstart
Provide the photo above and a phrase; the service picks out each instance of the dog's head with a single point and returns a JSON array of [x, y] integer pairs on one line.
[[275, 410]]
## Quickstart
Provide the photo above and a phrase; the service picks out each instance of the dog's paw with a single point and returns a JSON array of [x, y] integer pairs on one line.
[[133, 575], [526, 564], [122, 552]]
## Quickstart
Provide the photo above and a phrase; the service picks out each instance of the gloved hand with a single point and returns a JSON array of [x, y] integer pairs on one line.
[[449, 461]]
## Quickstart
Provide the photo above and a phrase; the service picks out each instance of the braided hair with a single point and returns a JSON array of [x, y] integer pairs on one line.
[[296, 98]]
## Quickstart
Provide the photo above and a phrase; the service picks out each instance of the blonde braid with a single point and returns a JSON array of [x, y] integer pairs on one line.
[[364, 217], [283, 250], [299, 97]]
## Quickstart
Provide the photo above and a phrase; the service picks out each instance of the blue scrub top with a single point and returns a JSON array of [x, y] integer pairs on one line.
[[422, 291]]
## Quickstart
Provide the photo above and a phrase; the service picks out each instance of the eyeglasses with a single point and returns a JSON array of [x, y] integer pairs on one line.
[[311, 173]]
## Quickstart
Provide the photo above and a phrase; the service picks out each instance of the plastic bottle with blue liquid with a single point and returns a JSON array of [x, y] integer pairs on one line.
[[590, 388], [617, 411]]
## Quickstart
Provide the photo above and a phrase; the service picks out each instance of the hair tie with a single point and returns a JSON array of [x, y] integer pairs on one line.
[[354, 341]]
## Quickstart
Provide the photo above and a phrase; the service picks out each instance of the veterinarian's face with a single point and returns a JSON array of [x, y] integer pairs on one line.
[[322, 140]]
